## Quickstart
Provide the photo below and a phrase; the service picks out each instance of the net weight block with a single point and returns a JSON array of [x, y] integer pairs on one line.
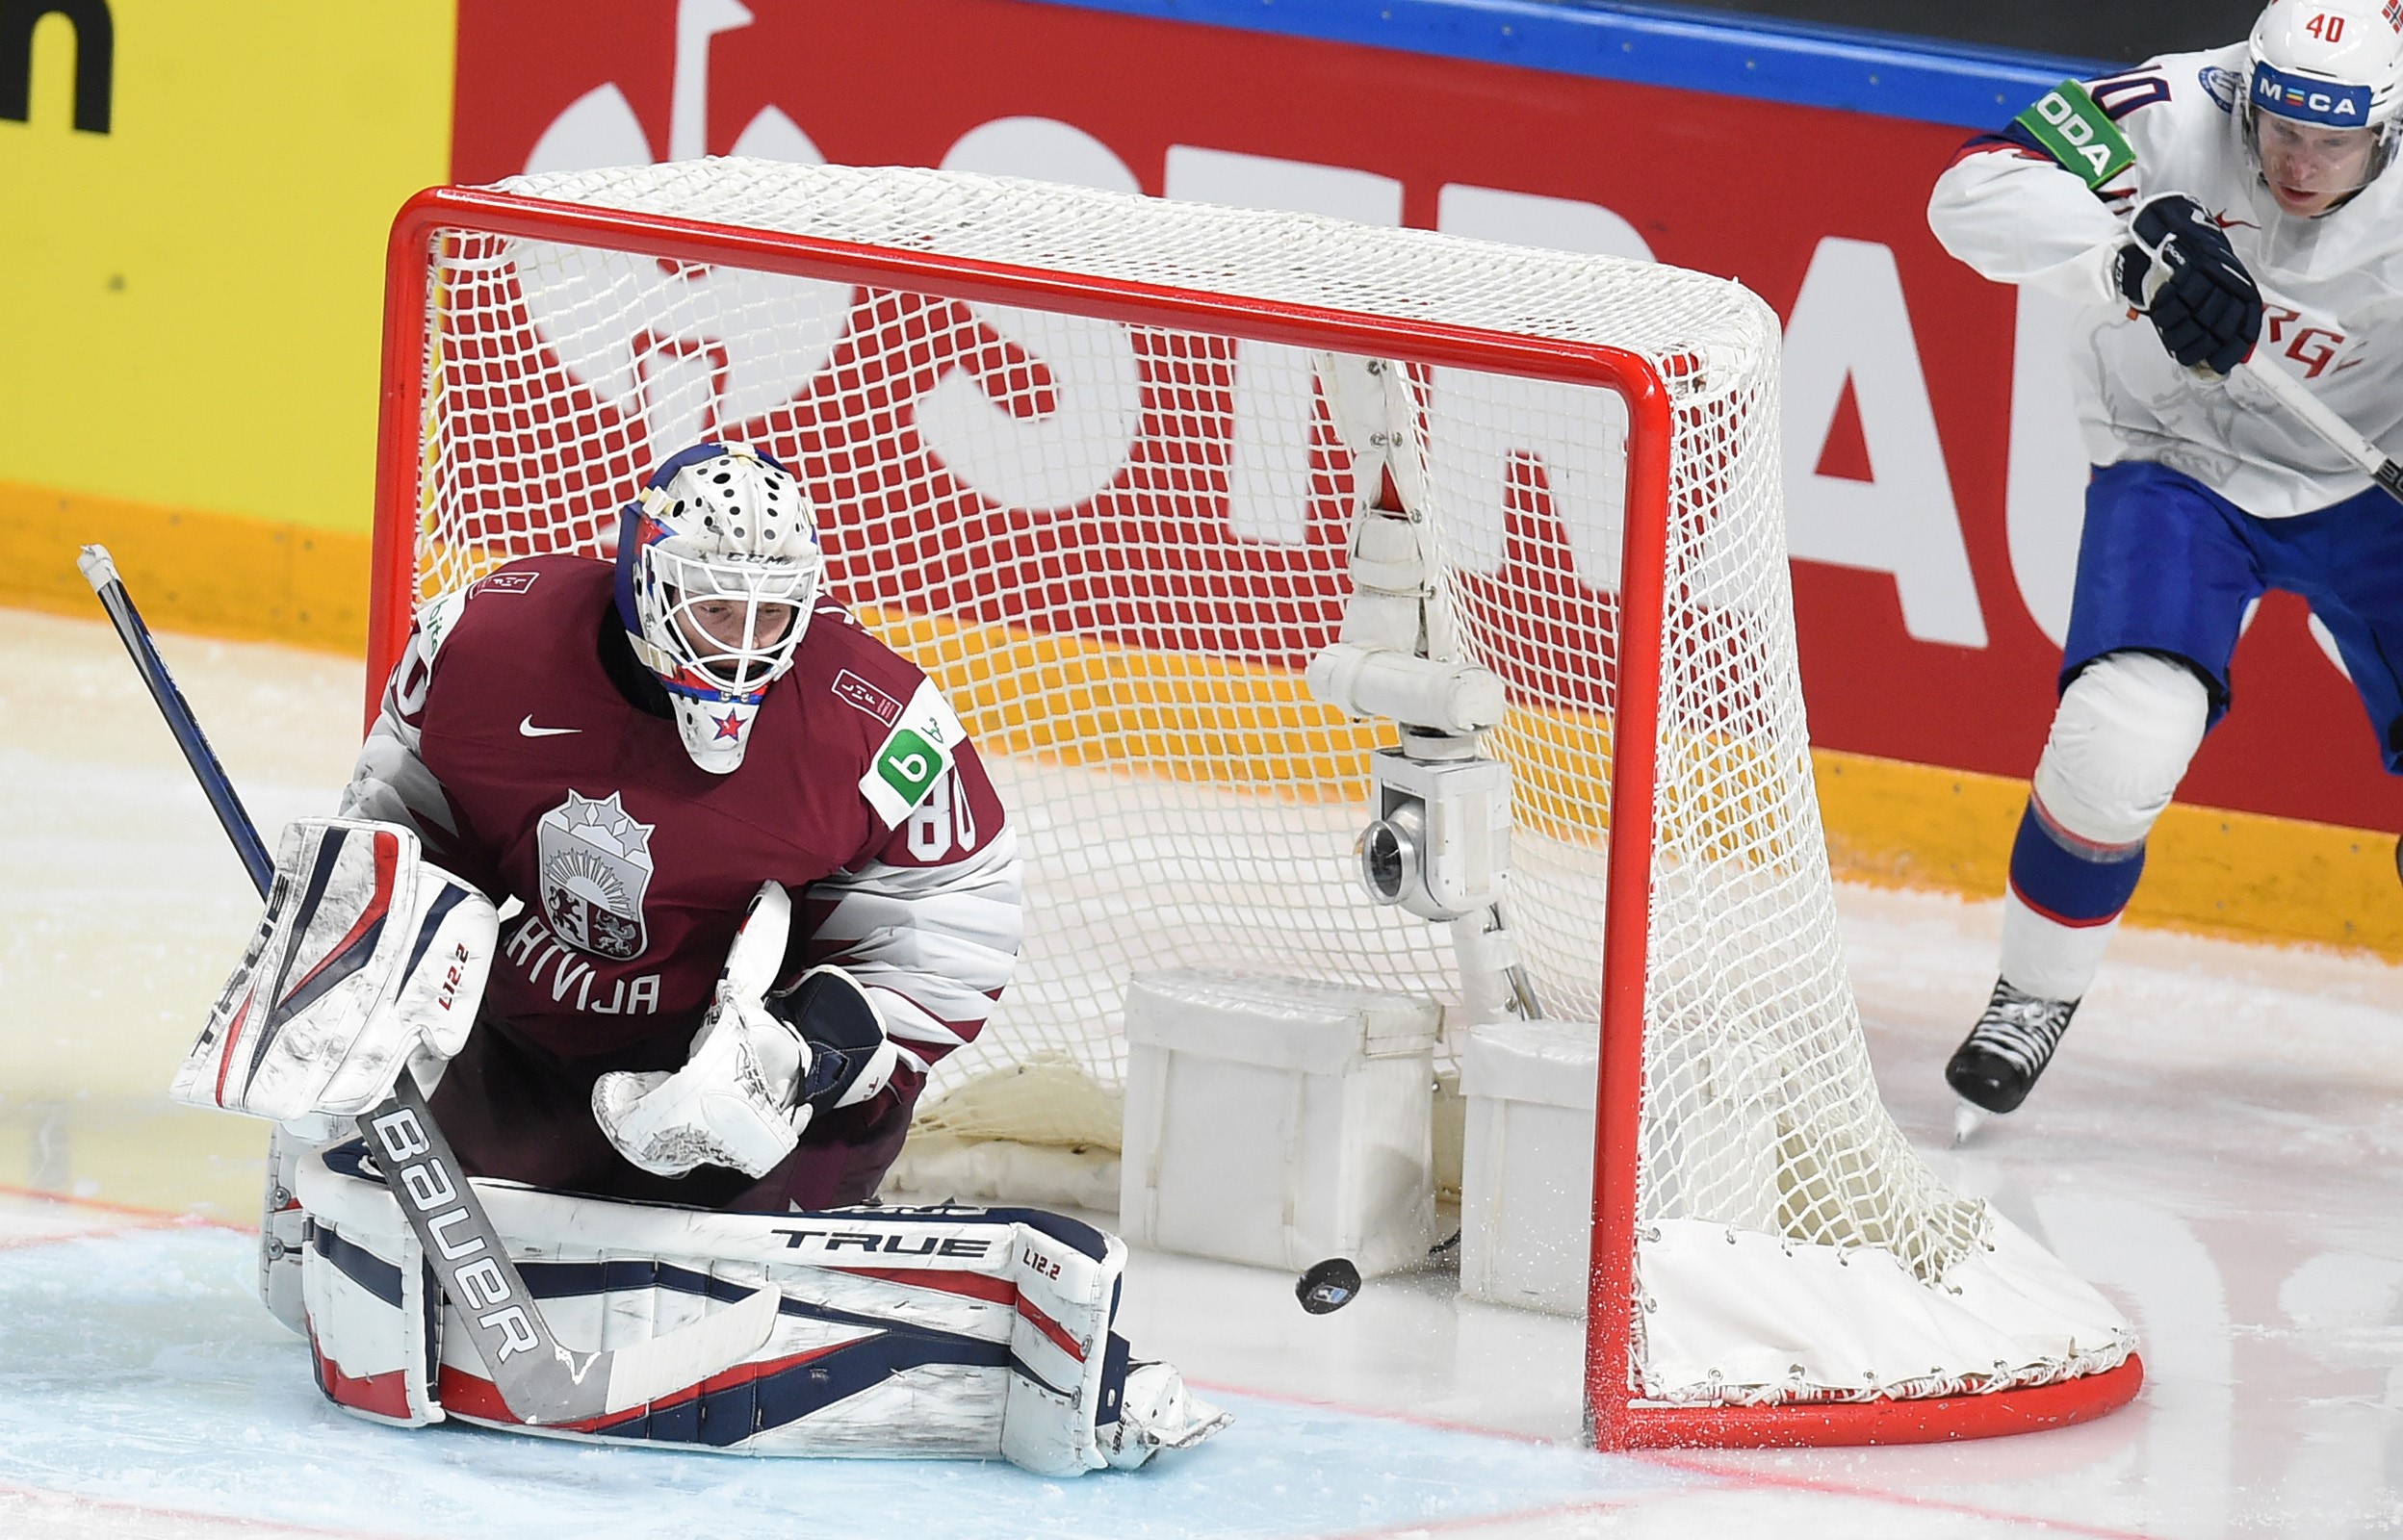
[[1277, 1121], [1527, 1164]]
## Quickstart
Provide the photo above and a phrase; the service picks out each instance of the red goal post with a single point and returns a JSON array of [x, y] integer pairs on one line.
[[448, 243]]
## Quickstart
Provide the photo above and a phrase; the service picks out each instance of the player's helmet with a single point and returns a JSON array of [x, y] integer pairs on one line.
[[718, 532], [2332, 64]]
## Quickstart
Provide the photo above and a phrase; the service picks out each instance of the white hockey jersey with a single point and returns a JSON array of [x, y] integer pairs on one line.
[[2331, 287]]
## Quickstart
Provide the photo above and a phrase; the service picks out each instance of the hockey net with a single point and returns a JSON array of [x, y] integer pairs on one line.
[[1072, 456]]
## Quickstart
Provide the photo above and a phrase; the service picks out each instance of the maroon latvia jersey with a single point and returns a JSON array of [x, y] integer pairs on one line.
[[636, 865]]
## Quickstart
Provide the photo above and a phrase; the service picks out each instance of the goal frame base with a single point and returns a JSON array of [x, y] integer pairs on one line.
[[1937, 1420]]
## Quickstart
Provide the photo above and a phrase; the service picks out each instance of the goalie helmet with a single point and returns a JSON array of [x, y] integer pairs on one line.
[[719, 566], [2328, 64]]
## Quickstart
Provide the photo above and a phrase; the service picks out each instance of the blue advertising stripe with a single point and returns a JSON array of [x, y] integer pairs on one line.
[[1926, 80]]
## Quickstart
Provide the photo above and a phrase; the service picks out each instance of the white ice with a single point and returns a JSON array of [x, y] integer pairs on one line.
[[2218, 1149]]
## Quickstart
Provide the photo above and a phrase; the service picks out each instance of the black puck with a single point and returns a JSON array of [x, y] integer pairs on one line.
[[1331, 1284]]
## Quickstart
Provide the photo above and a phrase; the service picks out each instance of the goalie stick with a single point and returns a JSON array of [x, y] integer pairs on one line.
[[541, 1382]]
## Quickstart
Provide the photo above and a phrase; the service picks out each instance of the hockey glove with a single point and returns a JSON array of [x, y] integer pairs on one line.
[[849, 1057], [732, 1104], [2180, 271], [758, 1072]]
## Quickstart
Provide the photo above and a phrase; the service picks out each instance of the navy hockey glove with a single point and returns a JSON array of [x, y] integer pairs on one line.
[[2181, 271], [850, 1059]]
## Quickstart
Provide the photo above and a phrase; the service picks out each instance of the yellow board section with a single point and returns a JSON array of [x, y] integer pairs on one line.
[[2207, 870], [205, 572], [192, 298]]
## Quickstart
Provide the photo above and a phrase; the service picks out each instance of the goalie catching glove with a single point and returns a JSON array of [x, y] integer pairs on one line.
[[760, 1069], [367, 956]]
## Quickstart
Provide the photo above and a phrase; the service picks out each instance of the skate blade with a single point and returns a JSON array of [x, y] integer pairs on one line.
[[1967, 1118]]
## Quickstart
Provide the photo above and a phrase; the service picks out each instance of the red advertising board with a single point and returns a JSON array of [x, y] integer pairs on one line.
[[1932, 485]]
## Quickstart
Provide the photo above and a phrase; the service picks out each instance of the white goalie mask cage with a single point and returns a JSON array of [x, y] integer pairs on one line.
[[719, 566]]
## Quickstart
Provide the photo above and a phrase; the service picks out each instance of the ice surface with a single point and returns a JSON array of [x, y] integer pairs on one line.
[[2217, 1148]]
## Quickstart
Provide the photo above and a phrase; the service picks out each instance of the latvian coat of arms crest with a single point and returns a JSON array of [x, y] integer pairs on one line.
[[596, 861]]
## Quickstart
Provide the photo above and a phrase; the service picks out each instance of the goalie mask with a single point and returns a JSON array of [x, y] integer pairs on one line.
[[2322, 98], [717, 568]]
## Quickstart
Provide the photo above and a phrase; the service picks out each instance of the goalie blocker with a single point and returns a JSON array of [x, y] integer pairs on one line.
[[367, 956], [935, 1332]]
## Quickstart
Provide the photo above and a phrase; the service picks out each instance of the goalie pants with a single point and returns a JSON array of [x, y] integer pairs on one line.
[[514, 1109], [2167, 572]]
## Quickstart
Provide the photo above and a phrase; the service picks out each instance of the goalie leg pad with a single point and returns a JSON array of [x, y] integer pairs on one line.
[[282, 1232], [1077, 1402], [374, 1319], [364, 956], [941, 1332]]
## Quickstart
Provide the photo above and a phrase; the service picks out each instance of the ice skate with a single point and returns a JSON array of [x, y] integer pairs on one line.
[[1996, 1065]]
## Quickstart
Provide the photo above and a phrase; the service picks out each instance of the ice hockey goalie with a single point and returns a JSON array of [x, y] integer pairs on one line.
[[762, 884]]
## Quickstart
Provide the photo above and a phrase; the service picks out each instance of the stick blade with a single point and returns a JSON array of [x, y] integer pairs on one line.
[[645, 1371]]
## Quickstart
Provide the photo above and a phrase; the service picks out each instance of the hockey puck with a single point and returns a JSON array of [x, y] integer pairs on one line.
[[1331, 1284]]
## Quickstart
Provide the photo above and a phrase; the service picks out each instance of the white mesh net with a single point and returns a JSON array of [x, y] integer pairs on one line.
[[1116, 545]]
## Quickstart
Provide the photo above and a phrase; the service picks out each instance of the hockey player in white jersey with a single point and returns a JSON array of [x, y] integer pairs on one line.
[[2205, 208]]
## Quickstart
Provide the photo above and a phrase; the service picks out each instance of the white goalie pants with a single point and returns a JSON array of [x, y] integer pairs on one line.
[[901, 1332]]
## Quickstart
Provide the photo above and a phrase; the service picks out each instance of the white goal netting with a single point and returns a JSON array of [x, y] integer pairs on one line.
[[1115, 538]]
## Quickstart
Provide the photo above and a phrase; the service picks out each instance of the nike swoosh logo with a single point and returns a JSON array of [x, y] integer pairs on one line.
[[527, 728]]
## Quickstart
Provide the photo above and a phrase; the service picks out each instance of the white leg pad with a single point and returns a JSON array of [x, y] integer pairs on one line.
[[372, 1317], [282, 1227], [944, 1332], [1061, 1342]]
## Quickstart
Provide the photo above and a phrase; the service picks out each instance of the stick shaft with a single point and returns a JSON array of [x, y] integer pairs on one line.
[[2334, 431], [100, 571]]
